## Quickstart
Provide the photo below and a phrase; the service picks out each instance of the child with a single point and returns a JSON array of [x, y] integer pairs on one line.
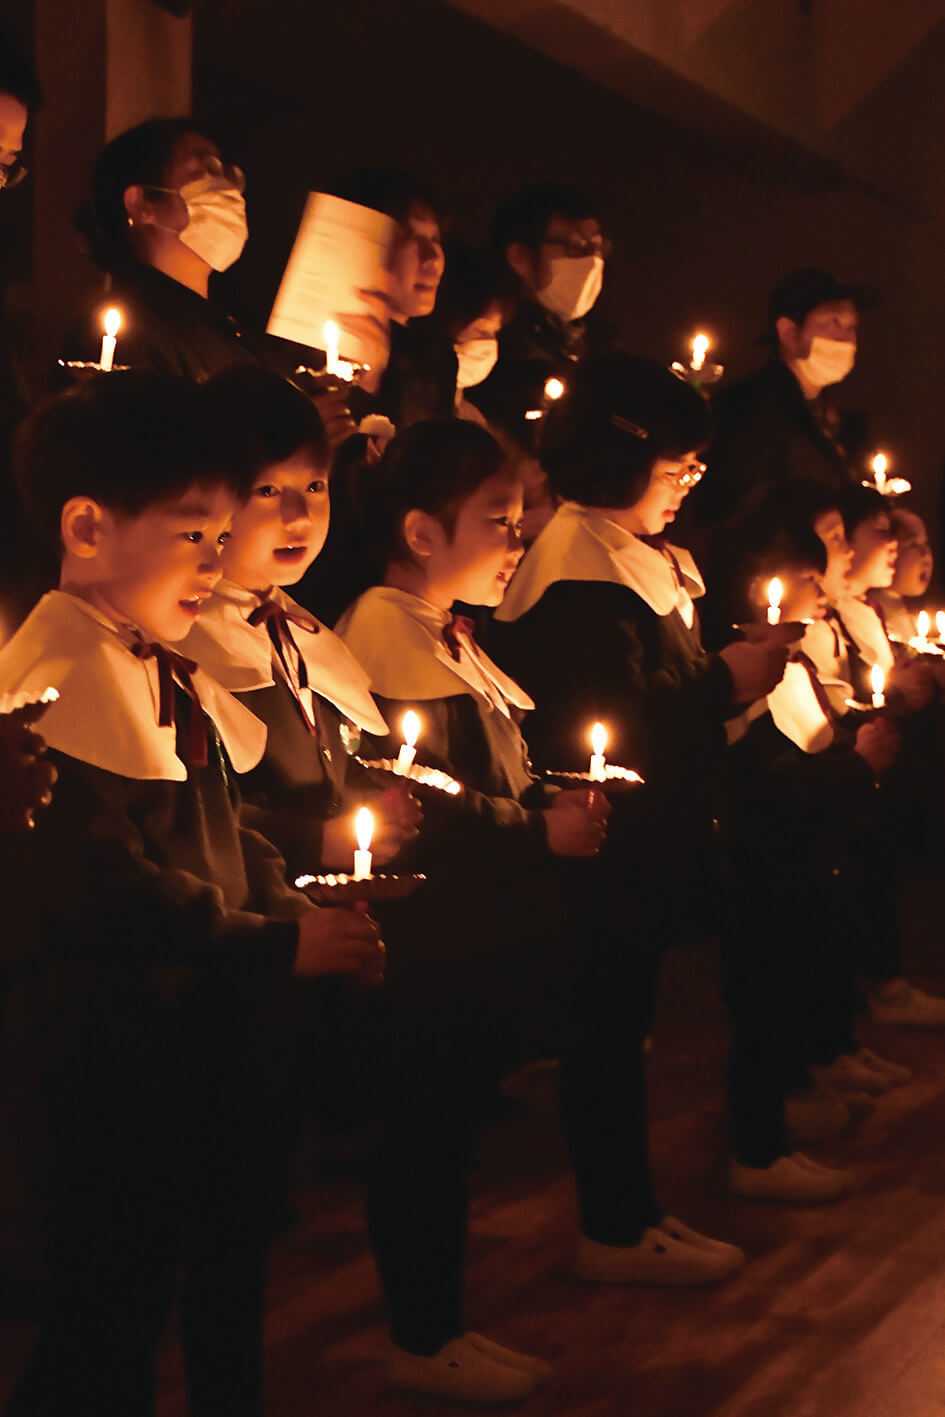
[[447, 524], [148, 1015], [600, 625], [914, 566]]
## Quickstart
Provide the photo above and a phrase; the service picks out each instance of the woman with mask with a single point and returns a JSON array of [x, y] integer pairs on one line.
[[476, 300]]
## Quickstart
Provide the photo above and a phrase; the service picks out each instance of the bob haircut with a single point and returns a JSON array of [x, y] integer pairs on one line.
[[267, 419], [129, 440], [396, 194], [859, 504], [620, 416], [525, 216], [435, 467], [473, 282]]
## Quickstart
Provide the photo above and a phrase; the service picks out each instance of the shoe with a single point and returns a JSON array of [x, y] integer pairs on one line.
[[902, 1003], [460, 1372], [676, 1230], [813, 1118], [846, 1074], [792, 1178], [656, 1259], [897, 1074], [537, 1368]]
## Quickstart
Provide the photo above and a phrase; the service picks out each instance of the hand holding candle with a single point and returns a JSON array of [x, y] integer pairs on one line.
[[775, 594], [598, 766], [410, 728], [364, 831], [112, 324]]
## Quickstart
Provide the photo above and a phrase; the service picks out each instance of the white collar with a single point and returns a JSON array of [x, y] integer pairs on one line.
[[866, 630], [826, 649], [107, 711], [399, 639], [581, 544], [240, 655]]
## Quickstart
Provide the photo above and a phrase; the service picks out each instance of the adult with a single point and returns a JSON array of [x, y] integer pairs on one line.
[[779, 422]]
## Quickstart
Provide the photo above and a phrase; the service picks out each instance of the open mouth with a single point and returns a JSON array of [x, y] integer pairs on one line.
[[193, 605], [290, 555]]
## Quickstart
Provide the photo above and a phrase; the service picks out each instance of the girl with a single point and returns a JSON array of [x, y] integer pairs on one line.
[[600, 624], [447, 528]]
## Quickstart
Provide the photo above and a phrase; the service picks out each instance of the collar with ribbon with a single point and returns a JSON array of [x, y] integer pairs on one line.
[[173, 667], [277, 622], [455, 626]]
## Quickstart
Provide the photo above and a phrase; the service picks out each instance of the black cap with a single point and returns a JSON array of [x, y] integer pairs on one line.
[[800, 292]]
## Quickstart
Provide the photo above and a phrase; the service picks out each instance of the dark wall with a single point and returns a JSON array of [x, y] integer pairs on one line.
[[702, 230]]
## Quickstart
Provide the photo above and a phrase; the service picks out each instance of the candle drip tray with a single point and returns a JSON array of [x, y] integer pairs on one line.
[[613, 775], [422, 776], [342, 890]]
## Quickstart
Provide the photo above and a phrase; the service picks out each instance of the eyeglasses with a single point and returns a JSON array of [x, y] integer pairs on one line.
[[213, 167], [13, 175], [577, 246], [688, 475]]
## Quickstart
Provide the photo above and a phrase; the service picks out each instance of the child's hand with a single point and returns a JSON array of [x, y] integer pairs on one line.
[[577, 823], [912, 684], [334, 412], [755, 668], [878, 742], [373, 331], [339, 942], [26, 778], [786, 632]]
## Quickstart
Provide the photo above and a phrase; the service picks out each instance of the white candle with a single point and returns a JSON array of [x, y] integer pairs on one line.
[[109, 340], [410, 728], [331, 336], [598, 769], [364, 831], [878, 685], [699, 344], [775, 592], [940, 623], [879, 465], [922, 624]]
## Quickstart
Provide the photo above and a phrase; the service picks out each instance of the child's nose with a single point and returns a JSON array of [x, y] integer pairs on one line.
[[294, 507]]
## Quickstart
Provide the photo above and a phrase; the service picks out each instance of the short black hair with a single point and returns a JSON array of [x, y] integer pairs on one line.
[[619, 416], [137, 157], [18, 76], [128, 440], [387, 190], [264, 419], [858, 504], [524, 216], [434, 466], [473, 281]]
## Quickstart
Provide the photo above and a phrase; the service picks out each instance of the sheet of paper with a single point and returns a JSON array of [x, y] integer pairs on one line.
[[340, 249]]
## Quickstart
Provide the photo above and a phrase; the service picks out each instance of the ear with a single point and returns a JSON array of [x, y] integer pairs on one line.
[[82, 527], [137, 206], [522, 261], [421, 533], [788, 334]]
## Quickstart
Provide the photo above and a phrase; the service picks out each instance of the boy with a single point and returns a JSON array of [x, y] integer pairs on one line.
[[163, 937]]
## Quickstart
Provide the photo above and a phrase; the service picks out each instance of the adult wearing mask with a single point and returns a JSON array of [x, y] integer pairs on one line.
[[779, 422]]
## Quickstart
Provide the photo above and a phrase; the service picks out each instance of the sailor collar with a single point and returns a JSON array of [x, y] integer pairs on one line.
[[399, 638], [109, 698], [581, 544], [865, 627], [241, 656]]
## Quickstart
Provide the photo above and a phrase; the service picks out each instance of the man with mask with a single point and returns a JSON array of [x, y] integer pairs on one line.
[[550, 238], [779, 422]]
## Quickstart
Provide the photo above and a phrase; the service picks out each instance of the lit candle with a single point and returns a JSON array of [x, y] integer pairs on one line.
[[364, 830], [331, 336], [878, 685], [922, 624], [699, 344], [940, 623], [598, 744], [109, 340], [775, 592], [410, 728], [880, 465], [554, 388]]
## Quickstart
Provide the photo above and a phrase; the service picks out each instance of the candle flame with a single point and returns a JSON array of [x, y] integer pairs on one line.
[[775, 592], [599, 739], [410, 728], [877, 679], [922, 624], [940, 623], [364, 828], [331, 334], [112, 321], [554, 388], [880, 464], [699, 344]]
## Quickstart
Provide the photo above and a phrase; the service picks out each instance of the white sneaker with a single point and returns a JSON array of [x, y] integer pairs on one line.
[[897, 1074], [460, 1372], [814, 1118], [902, 1003], [676, 1230], [793, 1178], [537, 1368], [847, 1074], [656, 1259]]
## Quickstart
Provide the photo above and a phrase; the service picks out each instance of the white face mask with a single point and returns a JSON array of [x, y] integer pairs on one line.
[[216, 229], [574, 286], [476, 359], [829, 361]]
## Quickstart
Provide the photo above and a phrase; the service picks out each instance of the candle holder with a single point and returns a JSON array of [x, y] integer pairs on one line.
[[613, 775], [418, 773], [348, 890], [85, 368]]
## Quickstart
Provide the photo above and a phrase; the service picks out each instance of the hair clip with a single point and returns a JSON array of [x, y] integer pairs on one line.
[[626, 426]]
